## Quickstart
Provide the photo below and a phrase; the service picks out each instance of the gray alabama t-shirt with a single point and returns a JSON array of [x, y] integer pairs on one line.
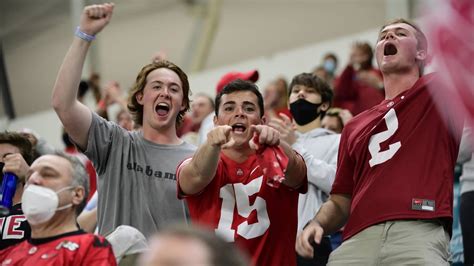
[[137, 178]]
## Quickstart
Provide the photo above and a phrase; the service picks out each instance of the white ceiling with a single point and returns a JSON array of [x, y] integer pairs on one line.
[[246, 29]]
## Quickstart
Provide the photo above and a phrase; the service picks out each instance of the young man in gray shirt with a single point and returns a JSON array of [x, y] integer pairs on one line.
[[137, 182]]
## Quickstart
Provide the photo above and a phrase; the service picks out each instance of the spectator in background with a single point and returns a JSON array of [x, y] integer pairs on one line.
[[40, 146], [95, 86], [360, 86], [332, 121], [201, 107], [321, 73], [466, 158], [237, 164], [55, 193], [275, 99], [310, 97], [136, 168], [125, 120], [16, 154], [208, 122], [393, 189], [83, 89], [98, 99], [159, 56], [71, 149], [335, 119], [330, 63], [191, 246], [327, 70], [112, 94]]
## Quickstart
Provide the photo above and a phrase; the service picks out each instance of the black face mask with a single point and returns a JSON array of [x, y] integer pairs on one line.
[[304, 112]]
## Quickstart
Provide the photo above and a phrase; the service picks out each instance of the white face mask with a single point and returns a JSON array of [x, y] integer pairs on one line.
[[40, 203]]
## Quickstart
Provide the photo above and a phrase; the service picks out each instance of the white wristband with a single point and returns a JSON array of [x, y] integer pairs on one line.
[[83, 35]]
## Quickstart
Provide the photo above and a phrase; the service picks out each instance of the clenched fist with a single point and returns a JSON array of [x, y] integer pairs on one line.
[[14, 163], [95, 17]]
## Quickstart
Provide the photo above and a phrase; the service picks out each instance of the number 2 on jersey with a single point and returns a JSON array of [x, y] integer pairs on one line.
[[378, 156], [238, 195]]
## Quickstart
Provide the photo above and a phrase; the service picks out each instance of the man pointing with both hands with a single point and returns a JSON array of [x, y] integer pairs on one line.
[[243, 182]]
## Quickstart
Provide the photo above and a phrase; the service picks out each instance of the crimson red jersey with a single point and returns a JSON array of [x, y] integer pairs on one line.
[[397, 161], [242, 208], [74, 248], [355, 95]]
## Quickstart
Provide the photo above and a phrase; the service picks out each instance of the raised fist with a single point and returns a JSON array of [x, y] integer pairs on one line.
[[95, 17]]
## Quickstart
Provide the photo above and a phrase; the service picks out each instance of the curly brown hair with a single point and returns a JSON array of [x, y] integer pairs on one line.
[[136, 109]]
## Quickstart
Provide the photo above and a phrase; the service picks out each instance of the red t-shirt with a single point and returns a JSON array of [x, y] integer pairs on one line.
[[74, 248], [240, 206], [397, 161]]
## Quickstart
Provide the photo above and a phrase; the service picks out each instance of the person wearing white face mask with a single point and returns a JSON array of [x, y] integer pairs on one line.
[[55, 193], [41, 203]]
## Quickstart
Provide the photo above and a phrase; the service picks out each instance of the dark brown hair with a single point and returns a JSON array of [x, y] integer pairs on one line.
[[21, 142], [367, 50], [240, 85], [335, 112], [312, 81]]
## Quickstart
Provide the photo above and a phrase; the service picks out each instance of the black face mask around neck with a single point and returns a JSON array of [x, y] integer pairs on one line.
[[304, 112]]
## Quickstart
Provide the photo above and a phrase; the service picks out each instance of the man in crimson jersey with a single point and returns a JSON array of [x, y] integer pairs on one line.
[[55, 193], [243, 182], [394, 180]]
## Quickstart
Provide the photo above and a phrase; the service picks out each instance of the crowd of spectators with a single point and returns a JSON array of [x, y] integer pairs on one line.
[[244, 176]]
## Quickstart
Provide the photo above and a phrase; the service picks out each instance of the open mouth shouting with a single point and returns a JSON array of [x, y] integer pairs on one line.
[[239, 128], [389, 49], [162, 109]]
